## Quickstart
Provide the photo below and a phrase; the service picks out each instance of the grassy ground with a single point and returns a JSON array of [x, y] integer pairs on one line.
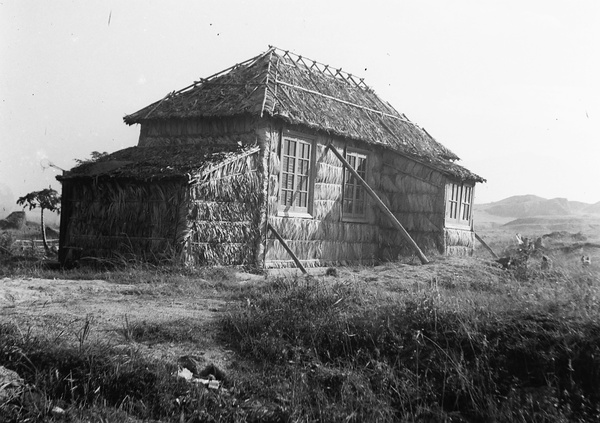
[[458, 340]]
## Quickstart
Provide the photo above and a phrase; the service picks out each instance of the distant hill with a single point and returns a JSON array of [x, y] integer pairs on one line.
[[17, 224], [522, 206], [545, 224], [592, 208], [530, 213]]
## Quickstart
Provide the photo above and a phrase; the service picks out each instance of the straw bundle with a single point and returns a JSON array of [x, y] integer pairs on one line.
[[297, 229], [329, 173], [327, 209], [327, 191], [459, 238]]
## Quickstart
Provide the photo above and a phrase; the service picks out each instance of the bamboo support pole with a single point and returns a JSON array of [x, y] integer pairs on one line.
[[379, 112], [487, 247], [287, 248], [382, 206]]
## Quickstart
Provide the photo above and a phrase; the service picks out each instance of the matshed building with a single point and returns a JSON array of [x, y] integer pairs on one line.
[[226, 164]]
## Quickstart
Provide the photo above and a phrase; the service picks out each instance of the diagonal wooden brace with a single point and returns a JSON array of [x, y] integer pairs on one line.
[[287, 248]]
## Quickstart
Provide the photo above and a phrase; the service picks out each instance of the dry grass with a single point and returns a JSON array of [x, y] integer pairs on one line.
[[457, 340]]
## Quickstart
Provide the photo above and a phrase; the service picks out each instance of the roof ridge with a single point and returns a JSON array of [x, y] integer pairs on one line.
[[322, 67]]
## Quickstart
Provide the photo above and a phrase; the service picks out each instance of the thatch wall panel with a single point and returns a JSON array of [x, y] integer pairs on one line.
[[273, 186], [393, 246], [275, 165], [221, 231], [327, 209], [224, 213], [297, 229], [459, 251], [112, 218], [179, 132], [309, 229], [273, 204], [228, 188], [220, 254], [415, 195], [414, 203], [387, 184], [200, 128], [325, 191], [304, 250], [425, 222], [321, 252], [459, 238], [220, 211], [330, 174], [329, 158]]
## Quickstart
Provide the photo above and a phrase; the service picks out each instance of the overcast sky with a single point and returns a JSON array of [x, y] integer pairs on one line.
[[512, 87]]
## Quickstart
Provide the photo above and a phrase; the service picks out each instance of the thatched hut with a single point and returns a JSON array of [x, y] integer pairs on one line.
[[229, 162]]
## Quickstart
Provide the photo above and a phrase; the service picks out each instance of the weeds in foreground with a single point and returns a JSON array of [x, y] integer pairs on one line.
[[348, 351], [101, 383], [453, 348]]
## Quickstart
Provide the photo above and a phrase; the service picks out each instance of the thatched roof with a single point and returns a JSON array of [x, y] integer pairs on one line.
[[157, 163], [304, 92]]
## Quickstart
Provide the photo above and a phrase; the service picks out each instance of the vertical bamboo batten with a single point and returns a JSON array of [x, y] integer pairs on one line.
[[262, 171]]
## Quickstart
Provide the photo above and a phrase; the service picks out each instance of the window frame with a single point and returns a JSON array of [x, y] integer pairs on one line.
[[459, 200], [353, 217], [290, 210]]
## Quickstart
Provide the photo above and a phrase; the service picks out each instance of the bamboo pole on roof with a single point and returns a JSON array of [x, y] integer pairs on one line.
[[379, 112], [382, 206]]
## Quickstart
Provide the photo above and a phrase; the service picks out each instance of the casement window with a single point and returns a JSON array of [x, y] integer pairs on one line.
[[355, 197], [459, 204], [295, 190]]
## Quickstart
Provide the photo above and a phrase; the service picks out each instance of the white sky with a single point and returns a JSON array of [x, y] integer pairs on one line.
[[512, 87]]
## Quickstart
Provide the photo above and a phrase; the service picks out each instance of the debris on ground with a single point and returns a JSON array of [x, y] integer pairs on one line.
[[211, 376]]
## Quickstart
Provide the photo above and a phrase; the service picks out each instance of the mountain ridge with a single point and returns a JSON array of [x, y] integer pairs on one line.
[[522, 206]]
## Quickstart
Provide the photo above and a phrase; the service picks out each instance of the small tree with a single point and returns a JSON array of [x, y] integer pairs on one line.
[[94, 157], [46, 199]]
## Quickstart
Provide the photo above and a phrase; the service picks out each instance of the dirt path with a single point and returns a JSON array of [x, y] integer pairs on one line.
[[61, 308]]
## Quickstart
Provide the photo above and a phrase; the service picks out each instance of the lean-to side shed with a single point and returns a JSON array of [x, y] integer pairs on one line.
[[224, 159]]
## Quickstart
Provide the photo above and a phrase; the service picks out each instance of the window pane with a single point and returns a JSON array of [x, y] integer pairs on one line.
[[354, 193], [348, 206], [361, 169], [360, 208], [295, 174], [291, 149], [302, 183], [287, 181], [303, 167], [360, 193], [303, 199]]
